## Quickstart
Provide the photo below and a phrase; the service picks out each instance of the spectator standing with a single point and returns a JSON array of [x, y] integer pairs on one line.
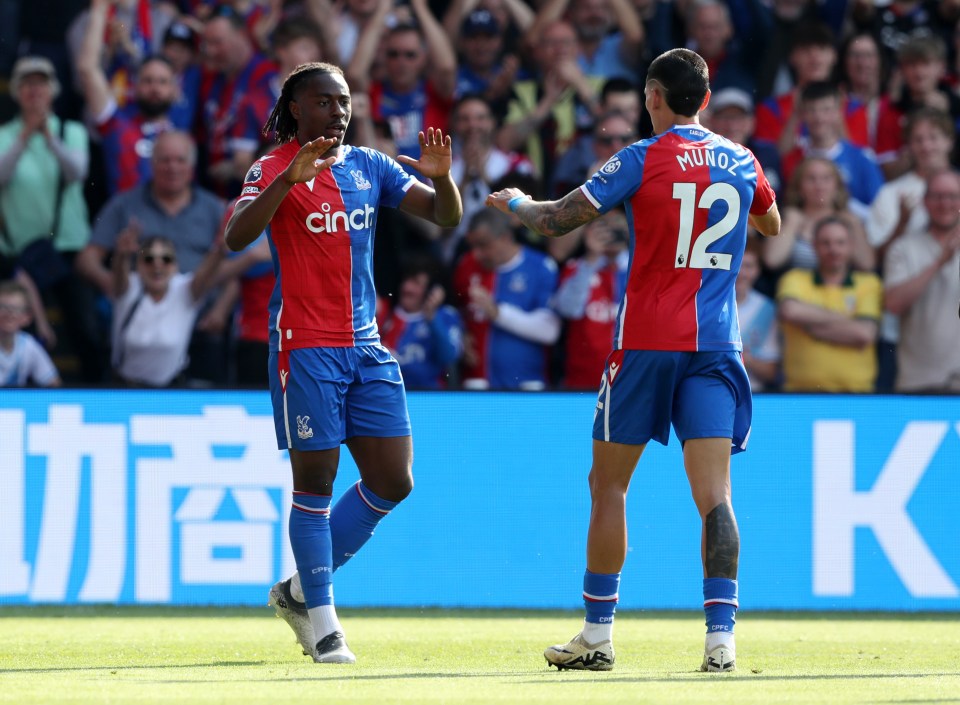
[[485, 68], [778, 24], [609, 33], [477, 165], [180, 48], [419, 77], [133, 30], [155, 309], [43, 162], [897, 22], [127, 133], [589, 296], [424, 334], [921, 288], [830, 318], [899, 205], [898, 209], [816, 191], [235, 98], [22, 359], [821, 109], [813, 58], [168, 205], [864, 79], [551, 109], [923, 67], [503, 289], [711, 34]]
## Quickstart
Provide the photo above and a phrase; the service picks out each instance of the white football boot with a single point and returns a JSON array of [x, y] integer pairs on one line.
[[333, 649], [720, 658], [579, 655], [294, 613]]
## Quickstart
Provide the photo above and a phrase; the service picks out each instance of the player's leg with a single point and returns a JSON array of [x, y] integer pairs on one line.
[[707, 462], [386, 478], [312, 544], [592, 648], [307, 392], [633, 407], [712, 416], [377, 429]]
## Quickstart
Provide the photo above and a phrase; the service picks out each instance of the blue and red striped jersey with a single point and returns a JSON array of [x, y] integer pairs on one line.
[[128, 139], [321, 238], [687, 192]]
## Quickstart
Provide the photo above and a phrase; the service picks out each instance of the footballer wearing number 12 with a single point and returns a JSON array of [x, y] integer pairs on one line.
[[689, 195]]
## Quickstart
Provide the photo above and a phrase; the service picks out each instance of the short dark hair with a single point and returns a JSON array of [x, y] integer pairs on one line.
[[817, 90], [290, 30], [420, 263], [922, 49], [618, 84], [684, 77], [496, 221], [938, 118], [831, 220], [812, 34]]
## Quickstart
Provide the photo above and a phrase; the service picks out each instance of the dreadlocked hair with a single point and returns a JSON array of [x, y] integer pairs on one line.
[[281, 122]]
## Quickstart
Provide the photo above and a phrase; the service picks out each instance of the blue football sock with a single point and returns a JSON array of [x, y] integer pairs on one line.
[[310, 541], [600, 595], [720, 604], [353, 520]]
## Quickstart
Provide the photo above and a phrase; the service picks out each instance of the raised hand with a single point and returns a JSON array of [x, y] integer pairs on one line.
[[309, 161], [436, 155]]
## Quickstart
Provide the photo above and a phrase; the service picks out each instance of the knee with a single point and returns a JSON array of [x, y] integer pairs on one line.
[[394, 488], [602, 485]]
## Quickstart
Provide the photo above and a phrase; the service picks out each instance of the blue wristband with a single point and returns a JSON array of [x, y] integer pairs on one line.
[[515, 202]]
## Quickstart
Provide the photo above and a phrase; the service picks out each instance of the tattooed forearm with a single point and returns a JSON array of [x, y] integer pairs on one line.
[[555, 218], [722, 543]]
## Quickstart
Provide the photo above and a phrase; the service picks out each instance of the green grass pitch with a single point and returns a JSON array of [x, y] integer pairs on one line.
[[230, 656]]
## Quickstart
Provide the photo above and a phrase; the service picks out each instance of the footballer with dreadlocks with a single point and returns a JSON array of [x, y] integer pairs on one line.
[[331, 381]]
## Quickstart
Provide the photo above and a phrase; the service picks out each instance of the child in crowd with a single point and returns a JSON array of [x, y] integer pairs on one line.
[[22, 359]]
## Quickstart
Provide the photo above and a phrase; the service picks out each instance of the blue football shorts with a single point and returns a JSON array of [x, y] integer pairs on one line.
[[323, 396], [702, 394]]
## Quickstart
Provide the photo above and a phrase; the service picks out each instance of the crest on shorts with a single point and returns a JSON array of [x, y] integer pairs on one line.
[[254, 174], [303, 428]]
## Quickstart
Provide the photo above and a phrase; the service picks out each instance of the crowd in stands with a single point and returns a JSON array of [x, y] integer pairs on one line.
[[127, 128]]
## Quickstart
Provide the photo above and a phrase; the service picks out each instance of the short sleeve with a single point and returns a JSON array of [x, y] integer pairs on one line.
[[40, 367], [394, 181], [618, 179], [792, 285], [260, 175], [869, 297], [764, 197]]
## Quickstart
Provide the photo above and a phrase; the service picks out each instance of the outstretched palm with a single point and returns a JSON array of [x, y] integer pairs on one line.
[[309, 161], [436, 155]]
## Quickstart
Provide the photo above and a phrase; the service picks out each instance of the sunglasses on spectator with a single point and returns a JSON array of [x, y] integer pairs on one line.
[[397, 53], [7, 308], [610, 139], [150, 258]]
